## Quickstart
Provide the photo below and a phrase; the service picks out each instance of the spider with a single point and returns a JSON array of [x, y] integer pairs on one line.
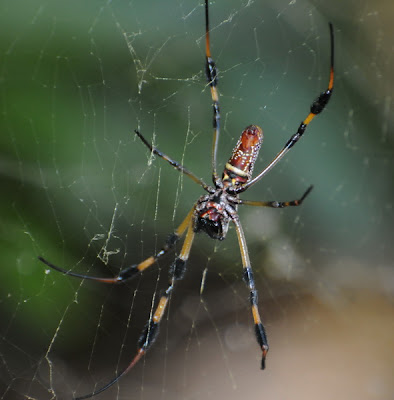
[[213, 212]]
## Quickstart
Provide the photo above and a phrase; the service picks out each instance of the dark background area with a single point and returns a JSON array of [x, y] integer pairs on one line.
[[78, 188]]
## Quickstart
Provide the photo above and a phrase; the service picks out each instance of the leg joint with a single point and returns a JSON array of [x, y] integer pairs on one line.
[[172, 239], [178, 268], [211, 72], [149, 335], [318, 105], [248, 277]]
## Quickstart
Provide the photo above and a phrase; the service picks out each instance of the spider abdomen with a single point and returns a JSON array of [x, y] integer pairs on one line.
[[239, 167]]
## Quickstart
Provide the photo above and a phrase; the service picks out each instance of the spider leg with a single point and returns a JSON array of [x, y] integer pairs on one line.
[[151, 329], [261, 335], [135, 269], [316, 108], [211, 73], [174, 163], [277, 204]]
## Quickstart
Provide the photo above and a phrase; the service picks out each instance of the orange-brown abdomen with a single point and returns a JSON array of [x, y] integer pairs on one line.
[[239, 167]]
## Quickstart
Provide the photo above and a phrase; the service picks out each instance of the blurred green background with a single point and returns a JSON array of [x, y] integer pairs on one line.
[[76, 78]]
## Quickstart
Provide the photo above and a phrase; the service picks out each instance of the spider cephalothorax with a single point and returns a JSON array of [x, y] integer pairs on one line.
[[213, 212]]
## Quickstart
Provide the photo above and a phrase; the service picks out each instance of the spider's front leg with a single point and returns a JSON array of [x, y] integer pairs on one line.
[[261, 335]]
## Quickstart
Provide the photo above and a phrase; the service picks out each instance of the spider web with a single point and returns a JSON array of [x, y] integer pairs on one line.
[[76, 78]]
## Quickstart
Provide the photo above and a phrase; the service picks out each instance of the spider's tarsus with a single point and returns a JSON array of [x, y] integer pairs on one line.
[[53, 266], [331, 26], [147, 144], [263, 363], [120, 278], [306, 193]]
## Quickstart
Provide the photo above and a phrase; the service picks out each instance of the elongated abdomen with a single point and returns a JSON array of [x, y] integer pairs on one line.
[[239, 167]]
